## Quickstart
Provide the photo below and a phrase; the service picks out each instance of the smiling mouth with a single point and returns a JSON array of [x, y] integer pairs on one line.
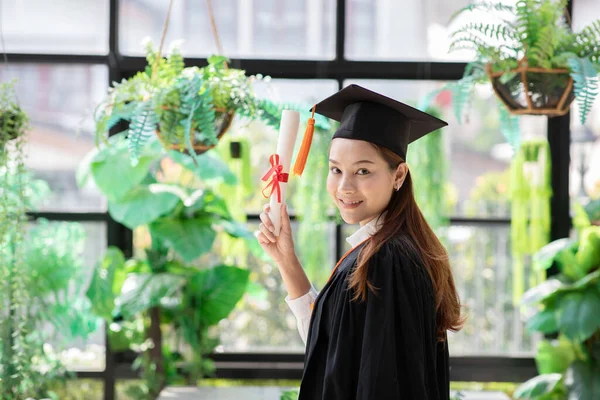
[[350, 203]]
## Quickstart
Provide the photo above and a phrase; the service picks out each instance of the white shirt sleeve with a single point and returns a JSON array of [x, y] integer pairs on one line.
[[302, 308]]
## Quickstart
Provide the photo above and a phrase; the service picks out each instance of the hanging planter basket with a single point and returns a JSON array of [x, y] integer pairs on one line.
[[223, 120], [533, 90]]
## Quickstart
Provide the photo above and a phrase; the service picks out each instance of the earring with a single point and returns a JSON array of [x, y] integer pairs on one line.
[[397, 188]]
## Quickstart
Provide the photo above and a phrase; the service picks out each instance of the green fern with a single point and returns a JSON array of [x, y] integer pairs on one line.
[[483, 6], [509, 126], [142, 128], [542, 52], [493, 31], [585, 79], [461, 90]]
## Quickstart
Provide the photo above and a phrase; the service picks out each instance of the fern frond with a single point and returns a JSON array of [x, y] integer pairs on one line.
[[585, 79], [543, 50], [142, 127], [528, 24], [509, 126], [470, 41], [483, 6], [461, 90], [493, 31]]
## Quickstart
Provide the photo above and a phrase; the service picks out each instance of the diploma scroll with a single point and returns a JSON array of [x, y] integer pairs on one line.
[[277, 176]]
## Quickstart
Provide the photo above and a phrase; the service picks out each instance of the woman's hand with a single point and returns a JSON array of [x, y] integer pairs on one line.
[[280, 249]]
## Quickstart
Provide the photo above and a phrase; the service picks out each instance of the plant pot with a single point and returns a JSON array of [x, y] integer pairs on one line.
[[14, 119], [223, 121], [533, 91]]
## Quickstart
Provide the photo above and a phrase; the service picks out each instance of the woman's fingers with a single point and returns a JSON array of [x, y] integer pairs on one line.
[[262, 239], [267, 232], [266, 220]]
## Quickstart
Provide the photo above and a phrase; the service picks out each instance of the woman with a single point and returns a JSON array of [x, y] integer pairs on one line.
[[377, 330]]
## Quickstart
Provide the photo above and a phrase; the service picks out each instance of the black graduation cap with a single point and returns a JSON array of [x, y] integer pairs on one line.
[[372, 117]]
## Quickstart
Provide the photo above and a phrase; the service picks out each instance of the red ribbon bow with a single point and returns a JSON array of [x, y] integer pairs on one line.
[[276, 175]]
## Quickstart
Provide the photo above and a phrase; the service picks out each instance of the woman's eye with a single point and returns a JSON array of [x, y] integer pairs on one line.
[[363, 171], [334, 170]]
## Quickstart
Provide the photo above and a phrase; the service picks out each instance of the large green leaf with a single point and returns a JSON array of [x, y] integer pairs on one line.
[[554, 356], [112, 170], [544, 321], [107, 280], [208, 168], [541, 291], [588, 255], [218, 290], [578, 314], [539, 386], [143, 291], [585, 383], [141, 206], [544, 258], [190, 238]]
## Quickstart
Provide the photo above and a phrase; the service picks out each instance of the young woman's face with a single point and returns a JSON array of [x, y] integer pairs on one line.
[[360, 180]]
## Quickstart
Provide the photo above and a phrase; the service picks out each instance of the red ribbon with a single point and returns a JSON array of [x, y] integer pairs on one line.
[[276, 175]]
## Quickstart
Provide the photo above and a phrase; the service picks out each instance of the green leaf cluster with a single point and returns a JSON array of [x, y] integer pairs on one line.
[[567, 304], [181, 105], [531, 33], [182, 215]]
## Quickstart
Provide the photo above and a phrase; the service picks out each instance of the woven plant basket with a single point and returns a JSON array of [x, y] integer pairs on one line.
[[533, 90], [223, 121]]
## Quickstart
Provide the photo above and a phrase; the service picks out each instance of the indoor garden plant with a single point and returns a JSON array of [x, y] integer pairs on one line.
[[535, 63], [188, 109], [566, 306], [41, 267], [178, 286]]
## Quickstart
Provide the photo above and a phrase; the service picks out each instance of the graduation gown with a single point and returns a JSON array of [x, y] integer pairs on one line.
[[383, 348]]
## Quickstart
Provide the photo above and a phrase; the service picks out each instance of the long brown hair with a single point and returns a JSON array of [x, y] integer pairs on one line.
[[403, 216]]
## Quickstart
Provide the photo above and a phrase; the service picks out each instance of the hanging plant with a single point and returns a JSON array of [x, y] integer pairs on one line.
[[530, 193], [189, 109], [533, 60], [17, 372]]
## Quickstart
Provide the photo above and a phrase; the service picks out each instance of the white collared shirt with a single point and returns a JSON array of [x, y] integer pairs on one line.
[[302, 306]]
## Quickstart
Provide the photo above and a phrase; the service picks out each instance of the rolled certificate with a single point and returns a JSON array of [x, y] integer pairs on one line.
[[277, 176]]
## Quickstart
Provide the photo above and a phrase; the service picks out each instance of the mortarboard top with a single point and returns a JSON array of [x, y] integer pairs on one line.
[[372, 117]]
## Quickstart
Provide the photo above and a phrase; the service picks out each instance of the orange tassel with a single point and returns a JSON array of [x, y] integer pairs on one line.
[[305, 146]]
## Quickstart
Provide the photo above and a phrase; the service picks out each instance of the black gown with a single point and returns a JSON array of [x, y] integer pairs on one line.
[[383, 348]]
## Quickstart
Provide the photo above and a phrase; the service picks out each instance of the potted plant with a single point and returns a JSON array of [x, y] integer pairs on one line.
[[13, 119], [534, 62], [178, 285], [188, 109], [566, 305]]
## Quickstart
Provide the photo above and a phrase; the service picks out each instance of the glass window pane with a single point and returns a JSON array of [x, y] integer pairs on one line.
[[59, 100], [264, 322], [482, 266], [77, 353], [402, 30], [477, 153], [584, 13], [58, 26], [247, 28]]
